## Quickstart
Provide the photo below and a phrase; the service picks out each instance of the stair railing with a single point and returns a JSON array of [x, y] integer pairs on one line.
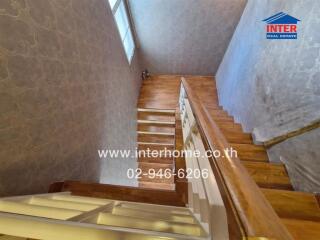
[[228, 200]]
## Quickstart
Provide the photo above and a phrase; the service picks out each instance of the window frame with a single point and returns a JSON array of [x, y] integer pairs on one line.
[[114, 9]]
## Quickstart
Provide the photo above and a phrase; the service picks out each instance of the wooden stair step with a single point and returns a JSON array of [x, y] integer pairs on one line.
[[167, 145], [231, 126], [218, 113], [211, 105], [148, 138], [155, 166], [302, 229], [156, 117], [291, 204], [223, 119], [156, 123], [150, 178], [157, 173], [202, 82], [169, 112], [122, 193], [160, 186], [269, 175], [251, 152], [145, 147], [148, 159], [156, 128], [234, 136], [162, 134], [155, 154]]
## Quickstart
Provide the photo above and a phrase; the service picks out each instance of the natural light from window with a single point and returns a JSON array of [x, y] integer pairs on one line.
[[121, 17], [112, 3]]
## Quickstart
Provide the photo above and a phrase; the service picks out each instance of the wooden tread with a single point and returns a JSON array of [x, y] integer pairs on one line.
[[218, 113], [154, 138], [223, 119], [153, 185], [229, 126], [156, 166], [155, 133], [156, 116], [234, 136], [302, 229], [149, 127], [157, 172], [145, 177], [154, 147], [156, 123], [156, 144], [269, 175], [150, 159], [157, 110], [144, 157], [290, 204], [250, 152]]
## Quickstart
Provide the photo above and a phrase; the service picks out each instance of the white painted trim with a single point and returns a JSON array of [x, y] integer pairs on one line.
[[19, 198]]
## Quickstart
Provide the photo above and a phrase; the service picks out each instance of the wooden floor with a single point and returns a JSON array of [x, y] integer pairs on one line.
[[160, 92]]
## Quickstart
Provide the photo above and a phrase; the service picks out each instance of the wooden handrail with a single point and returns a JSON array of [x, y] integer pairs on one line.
[[255, 215], [311, 126]]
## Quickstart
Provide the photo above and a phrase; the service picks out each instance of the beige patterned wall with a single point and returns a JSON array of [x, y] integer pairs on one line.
[[184, 36], [66, 89]]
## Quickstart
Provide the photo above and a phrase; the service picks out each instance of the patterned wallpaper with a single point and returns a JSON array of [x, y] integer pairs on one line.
[[66, 90], [184, 36]]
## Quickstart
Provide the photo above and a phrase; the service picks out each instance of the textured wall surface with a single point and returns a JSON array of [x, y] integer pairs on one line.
[[279, 80], [66, 90], [184, 36], [302, 158], [272, 86]]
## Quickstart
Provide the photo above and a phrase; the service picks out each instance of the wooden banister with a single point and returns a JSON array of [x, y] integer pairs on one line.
[[245, 203], [311, 126]]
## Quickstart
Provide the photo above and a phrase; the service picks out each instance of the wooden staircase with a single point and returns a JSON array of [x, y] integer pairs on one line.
[[66, 215], [298, 211], [156, 132], [253, 157]]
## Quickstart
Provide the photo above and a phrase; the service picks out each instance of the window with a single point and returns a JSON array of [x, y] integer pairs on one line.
[[121, 17]]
